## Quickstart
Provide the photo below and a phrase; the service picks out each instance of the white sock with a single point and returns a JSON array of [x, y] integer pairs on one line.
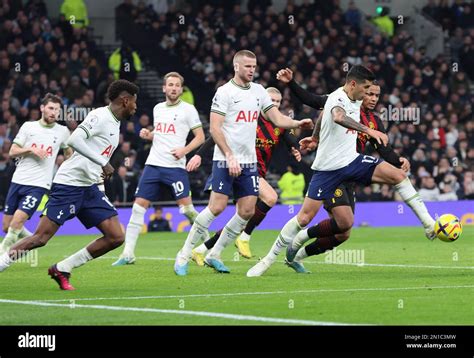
[[5, 261], [134, 228], [289, 231], [10, 239], [411, 197], [300, 239], [201, 249], [25, 233], [189, 212], [244, 236], [75, 260], [233, 228], [301, 255], [198, 231]]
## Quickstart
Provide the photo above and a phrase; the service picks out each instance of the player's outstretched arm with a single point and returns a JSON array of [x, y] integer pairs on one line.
[[339, 116], [292, 144], [217, 121], [282, 121], [77, 141], [311, 143], [17, 151], [195, 161], [316, 101], [193, 144]]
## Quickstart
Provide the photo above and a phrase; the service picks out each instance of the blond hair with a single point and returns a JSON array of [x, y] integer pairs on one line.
[[273, 90], [243, 53], [174, 74]]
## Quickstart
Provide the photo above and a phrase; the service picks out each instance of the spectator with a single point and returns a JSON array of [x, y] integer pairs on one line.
[[157, 222], [124, 14], [75, 11], [291, 185], [429, 191], [353, 16], [121, 188], [384, 22], [125, 63]]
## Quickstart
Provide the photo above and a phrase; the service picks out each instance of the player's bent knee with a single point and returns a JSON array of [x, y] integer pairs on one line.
[[399, 176], [343, 236], [216, 208], [271, 200], [345, 224], [246, 214], [116, 240], [304, 219]]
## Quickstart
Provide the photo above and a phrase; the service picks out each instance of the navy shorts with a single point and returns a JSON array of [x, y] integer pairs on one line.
[[244, 185], [23, 197], [149, 188], [88, 203], [324, 183]]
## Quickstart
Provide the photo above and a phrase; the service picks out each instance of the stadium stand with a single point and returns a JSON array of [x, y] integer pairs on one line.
[[40, 54]]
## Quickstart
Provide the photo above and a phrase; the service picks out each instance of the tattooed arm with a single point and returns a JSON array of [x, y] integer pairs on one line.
[[317, 126], [339, 116]]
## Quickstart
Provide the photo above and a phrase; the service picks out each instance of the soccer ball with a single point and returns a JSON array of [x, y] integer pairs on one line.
[[448, 228]]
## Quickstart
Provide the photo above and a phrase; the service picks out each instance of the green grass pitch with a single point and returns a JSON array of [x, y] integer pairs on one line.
[[406, 280]]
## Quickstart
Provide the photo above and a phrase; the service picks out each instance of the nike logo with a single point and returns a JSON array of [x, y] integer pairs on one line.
[[111, 134], [237, 101]]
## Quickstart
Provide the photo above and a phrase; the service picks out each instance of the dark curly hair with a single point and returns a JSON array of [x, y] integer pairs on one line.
[[119, 86]]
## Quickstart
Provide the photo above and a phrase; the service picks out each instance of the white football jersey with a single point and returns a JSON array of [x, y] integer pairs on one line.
[[241, 107], [172, 125], [103, 130], [337, 145], [30, 169]]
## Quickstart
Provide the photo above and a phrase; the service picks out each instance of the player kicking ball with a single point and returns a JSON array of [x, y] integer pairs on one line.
[[172, 120], [36, 146], [75, 192], [337, 161], [268, 138], [342, 203], [234, 116]]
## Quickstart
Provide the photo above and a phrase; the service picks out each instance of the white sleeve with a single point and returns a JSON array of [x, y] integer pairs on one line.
[[335, 101], [77, 141], [66, 135], [266, 101], [91, 125], [193, 118], [22, 134], [220, 102]]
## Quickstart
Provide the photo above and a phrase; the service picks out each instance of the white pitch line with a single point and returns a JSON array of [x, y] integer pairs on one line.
[[181, 312], [257, 293], [319, 263]]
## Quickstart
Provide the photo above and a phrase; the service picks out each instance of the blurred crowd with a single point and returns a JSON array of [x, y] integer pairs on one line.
[[40, 54]]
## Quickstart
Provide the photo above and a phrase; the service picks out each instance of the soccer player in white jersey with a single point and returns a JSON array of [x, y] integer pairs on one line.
[[75, 191], [166, 163], [337, 161], [234, 114], [36, 146]]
